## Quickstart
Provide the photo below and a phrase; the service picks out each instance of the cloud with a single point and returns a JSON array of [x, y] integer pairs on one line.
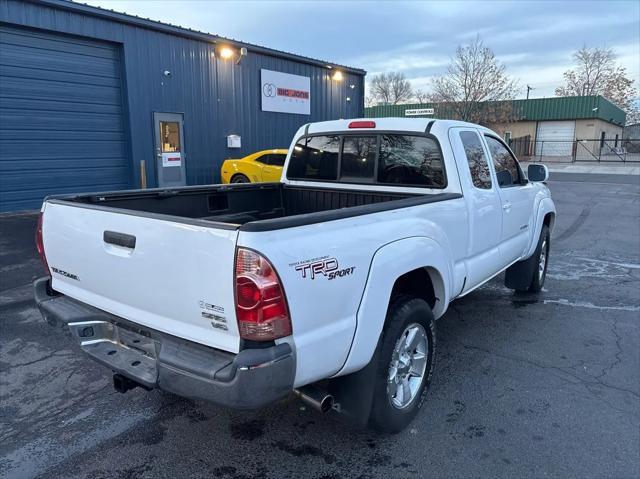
[[535, 40]]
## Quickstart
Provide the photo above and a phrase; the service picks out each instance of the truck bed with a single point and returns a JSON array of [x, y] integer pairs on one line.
[[252, 207]]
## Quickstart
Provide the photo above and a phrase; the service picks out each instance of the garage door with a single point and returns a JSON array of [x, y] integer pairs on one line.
[[555, 138], [61, 128]]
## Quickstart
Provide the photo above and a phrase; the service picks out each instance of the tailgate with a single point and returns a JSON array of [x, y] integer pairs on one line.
[[177, 278]]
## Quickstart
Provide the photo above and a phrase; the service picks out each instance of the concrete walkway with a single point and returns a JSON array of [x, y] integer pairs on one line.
[[595, 168]]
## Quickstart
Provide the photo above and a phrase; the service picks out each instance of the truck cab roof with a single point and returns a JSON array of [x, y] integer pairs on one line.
[[386, 124]]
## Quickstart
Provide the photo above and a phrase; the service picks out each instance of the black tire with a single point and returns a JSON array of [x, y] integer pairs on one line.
[[542, 251], [524, 276], [404, 311], [240, 178]]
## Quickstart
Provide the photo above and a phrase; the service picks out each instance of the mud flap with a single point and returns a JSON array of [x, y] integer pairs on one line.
[[354, 392], [520, 274]]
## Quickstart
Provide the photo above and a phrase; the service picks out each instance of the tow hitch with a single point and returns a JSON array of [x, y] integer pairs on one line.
[[122, 384]]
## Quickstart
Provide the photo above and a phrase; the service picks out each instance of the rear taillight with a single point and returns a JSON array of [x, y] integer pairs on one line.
[[40, 244], [261, 306]]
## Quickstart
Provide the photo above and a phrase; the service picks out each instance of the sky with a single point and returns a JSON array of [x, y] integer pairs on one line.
[[535, 40]]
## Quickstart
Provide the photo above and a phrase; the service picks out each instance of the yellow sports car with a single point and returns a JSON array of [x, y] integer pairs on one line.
[[260, 167]]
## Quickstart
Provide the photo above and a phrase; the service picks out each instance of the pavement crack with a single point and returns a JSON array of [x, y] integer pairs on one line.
[[597, 380], [618, 358], [36, 361]]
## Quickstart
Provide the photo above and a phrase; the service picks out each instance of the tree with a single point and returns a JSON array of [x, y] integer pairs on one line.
[[475, 76], [390, 88], [420, 96], [596, 73]]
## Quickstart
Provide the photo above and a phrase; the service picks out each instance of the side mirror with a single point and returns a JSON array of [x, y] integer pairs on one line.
[[537, 173]]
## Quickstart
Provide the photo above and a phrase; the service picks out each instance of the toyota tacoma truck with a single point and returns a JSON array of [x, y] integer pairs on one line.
[[326, 284]]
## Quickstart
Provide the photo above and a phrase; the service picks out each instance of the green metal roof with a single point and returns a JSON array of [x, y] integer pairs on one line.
[[537, 109]]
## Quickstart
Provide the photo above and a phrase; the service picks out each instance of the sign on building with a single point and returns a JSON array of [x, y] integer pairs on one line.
[[418, 112], [285, 93]]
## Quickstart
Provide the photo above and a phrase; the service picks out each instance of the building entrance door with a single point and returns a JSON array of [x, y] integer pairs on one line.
[[170, 152]]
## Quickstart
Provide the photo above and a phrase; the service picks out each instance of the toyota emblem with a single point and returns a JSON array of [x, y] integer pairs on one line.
[[269, 89]]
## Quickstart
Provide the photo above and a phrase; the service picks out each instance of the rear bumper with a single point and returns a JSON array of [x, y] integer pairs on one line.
[[250, 379]]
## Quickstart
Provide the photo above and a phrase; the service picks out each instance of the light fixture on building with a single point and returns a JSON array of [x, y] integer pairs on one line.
[[352, 86], [226, 53], [243, 53], [337, 76]]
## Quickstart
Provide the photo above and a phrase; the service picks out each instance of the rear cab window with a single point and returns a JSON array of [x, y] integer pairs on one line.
[[358, 158], [315, 158], [385, 159]]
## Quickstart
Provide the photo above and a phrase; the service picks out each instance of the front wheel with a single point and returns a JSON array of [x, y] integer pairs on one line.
[[542, 261], [528, 276], [405, 364]]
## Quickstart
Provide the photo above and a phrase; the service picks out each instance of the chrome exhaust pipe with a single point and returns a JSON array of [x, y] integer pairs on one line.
[[315, 397]]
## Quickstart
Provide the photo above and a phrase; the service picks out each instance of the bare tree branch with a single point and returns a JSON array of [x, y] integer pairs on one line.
[[596, 73], [390, 88], [475, 76], [420, 96]]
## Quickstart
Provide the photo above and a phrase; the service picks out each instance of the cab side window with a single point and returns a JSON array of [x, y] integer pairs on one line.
[[507, 169], [477, 160]]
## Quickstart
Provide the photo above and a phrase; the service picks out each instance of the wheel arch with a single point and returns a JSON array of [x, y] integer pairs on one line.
[[424, 282], [415, 266], [239, 173], [545, 215]]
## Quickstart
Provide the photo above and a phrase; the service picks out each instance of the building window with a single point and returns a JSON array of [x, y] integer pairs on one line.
[[616, 143], [170, 134], [602, 137]]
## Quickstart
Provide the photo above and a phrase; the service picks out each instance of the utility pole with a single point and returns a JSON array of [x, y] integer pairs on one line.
[[528, 90]]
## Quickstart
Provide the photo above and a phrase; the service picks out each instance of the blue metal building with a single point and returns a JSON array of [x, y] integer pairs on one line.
[[90, 100]]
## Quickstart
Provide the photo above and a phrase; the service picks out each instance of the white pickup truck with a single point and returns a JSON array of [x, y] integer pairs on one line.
[[326, 284]]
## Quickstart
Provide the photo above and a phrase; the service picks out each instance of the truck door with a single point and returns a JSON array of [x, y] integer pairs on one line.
[[516, 196], [483, 203]]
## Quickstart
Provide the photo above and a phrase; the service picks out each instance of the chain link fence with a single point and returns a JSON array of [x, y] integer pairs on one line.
[[557, 151]]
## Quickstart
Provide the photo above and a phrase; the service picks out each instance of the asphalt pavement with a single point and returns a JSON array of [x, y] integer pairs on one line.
[[524, 386]]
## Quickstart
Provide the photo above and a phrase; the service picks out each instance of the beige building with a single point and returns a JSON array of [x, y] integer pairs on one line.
[[550, 129]]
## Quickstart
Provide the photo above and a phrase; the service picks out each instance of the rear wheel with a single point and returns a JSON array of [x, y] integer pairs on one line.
[[240, 178], [405, 364]]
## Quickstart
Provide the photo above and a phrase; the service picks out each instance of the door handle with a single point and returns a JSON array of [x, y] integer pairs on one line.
[[119, 239], [506, 206]]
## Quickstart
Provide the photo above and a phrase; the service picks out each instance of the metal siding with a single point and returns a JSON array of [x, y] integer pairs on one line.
[[61, 127], [217, 97], [536, 109]]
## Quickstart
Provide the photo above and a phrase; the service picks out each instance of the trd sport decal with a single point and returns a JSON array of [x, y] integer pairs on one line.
[[324, 266]]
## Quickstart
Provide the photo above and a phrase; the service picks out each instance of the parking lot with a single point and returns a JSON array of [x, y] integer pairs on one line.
[[524, 386]]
